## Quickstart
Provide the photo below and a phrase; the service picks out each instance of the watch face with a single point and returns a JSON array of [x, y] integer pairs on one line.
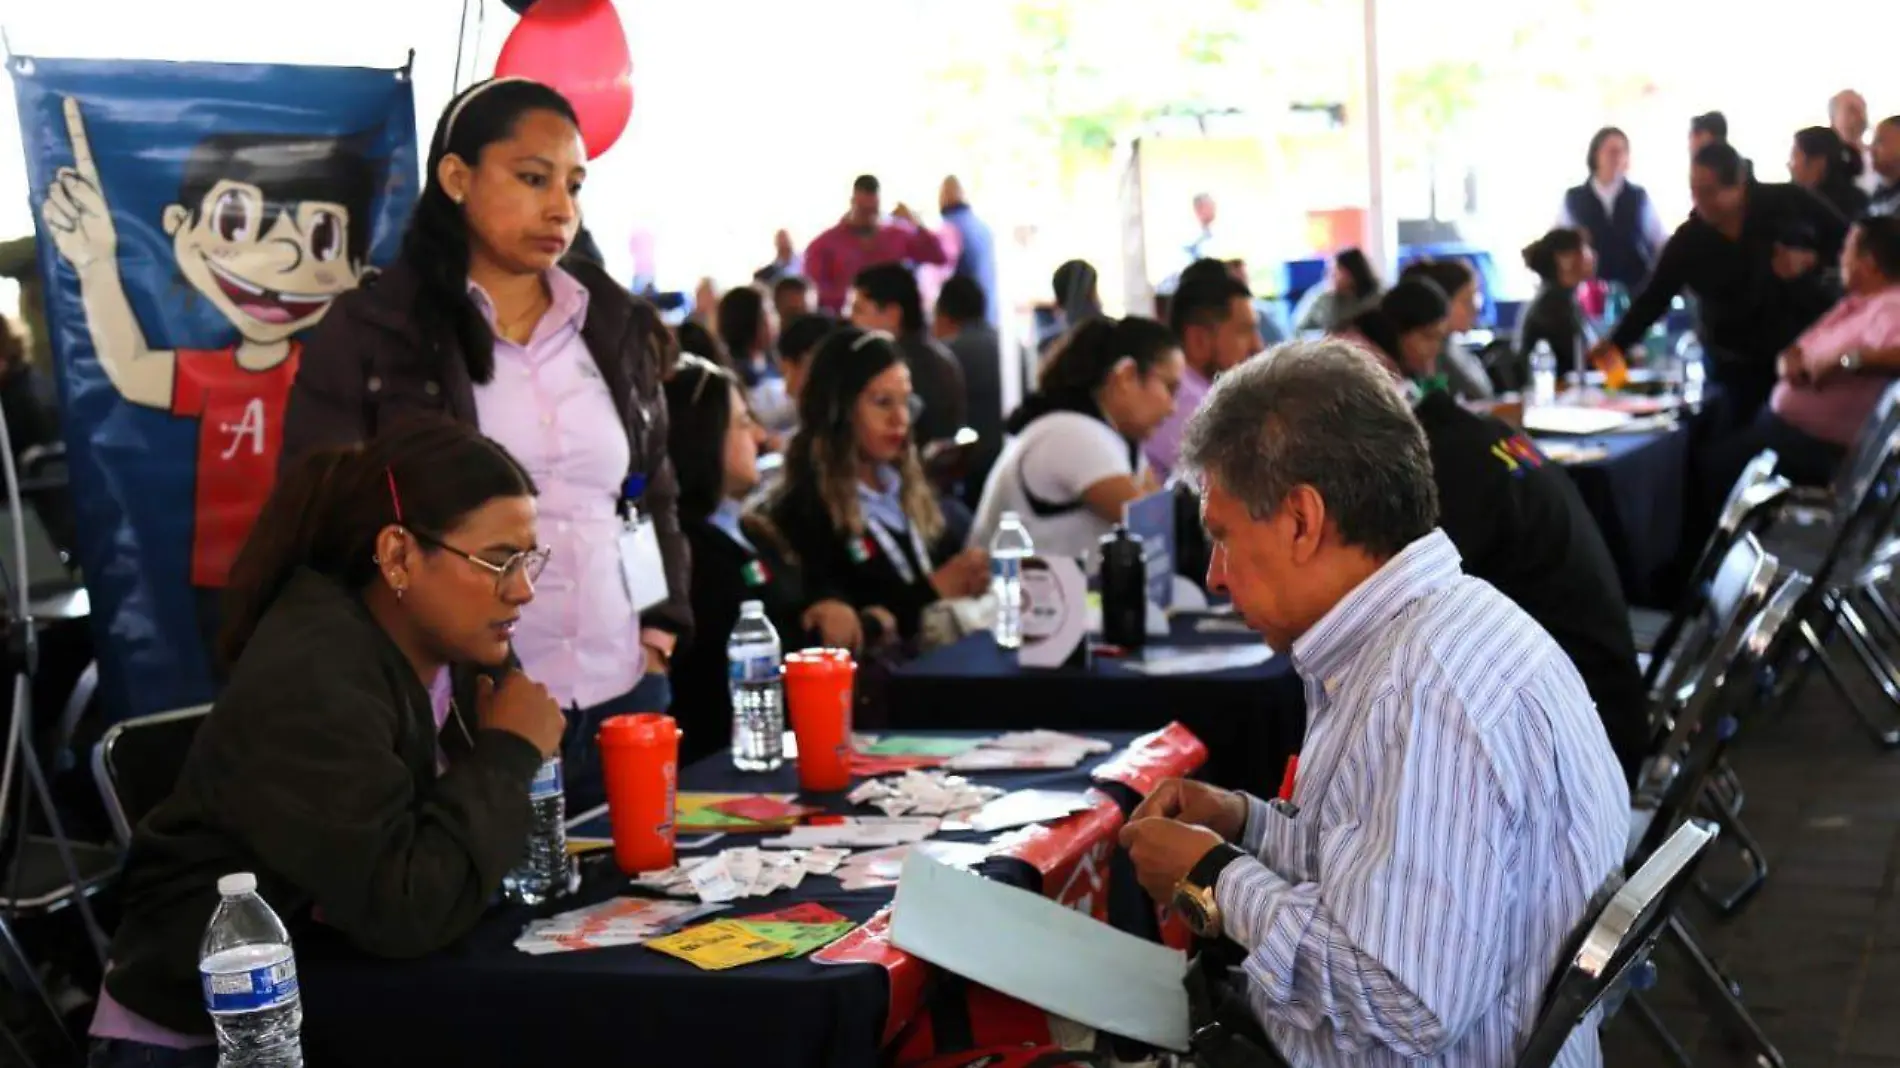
[[1197, 910]]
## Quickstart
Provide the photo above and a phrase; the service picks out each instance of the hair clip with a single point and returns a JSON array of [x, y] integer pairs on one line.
[[395, 500]]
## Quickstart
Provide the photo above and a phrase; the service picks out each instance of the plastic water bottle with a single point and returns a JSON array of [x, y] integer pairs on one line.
[[1543, 375], [1007, 550], [758, 692], [250, 980], [1694, 378], [544, 868]]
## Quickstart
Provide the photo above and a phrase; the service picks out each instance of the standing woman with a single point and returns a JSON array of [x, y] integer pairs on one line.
[[854, 505], [1616, 213], [478, 318], [736, 558]]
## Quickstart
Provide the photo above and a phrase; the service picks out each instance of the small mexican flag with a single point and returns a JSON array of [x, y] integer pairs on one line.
[[861, 550], [756, 573]]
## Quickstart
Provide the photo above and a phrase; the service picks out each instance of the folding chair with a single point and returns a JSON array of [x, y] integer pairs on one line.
[[136, 763], [1849, 572], [1753, 502], [1613, 945], [1685, 769], [1735, 586], [1680, 777], [45, 870]]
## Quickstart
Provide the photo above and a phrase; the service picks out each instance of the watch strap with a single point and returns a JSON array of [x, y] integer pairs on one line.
[[1206, 871]]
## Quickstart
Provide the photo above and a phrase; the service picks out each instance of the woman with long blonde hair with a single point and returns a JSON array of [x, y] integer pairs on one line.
[[854, 504]]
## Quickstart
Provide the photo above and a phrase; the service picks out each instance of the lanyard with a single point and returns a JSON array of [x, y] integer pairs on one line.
[[888, 545]]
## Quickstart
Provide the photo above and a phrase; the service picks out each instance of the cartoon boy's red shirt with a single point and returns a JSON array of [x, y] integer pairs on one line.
[[240, 417]]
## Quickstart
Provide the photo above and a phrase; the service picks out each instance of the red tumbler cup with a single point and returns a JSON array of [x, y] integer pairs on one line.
[[639, 757], [818, 699]]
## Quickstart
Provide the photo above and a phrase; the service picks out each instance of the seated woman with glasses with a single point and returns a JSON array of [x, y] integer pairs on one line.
[[854, 505], [714, 442], [1074, 458], [326, 768]]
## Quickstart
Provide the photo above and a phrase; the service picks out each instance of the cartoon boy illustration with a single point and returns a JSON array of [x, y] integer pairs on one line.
[[270, 229]]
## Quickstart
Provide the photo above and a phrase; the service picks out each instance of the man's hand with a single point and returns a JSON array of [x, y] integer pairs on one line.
[[1222, 811], [1791, 263], [836, 623], [902, 211], [1164, 851], [1606, 352], [1793, 366]]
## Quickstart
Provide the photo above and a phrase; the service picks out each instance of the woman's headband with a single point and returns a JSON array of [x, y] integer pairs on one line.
[[455, 111]]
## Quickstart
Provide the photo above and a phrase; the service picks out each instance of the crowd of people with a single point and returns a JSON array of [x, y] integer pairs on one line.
[[481, 436]]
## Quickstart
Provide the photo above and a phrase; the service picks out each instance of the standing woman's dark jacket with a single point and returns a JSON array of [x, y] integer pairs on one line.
[[369, 365], [316, 770]]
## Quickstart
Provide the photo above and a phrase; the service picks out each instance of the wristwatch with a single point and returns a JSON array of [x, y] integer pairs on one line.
[[1194, 895], [1850, 361]]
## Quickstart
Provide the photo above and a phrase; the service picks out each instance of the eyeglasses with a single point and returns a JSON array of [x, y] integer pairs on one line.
[[527, 564]]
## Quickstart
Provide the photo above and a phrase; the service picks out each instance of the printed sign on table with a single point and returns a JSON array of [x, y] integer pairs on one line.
[[195, 221]]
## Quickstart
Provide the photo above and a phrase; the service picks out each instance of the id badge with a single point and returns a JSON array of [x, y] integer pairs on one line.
[[641, 566]]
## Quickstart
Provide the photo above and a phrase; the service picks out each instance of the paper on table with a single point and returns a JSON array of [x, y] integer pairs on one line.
[[1032, 949], [1028, 806], [915, 745], [1199, 662], [855, 831]]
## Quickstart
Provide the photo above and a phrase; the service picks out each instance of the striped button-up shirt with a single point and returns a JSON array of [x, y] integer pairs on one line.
[[1457, 807]]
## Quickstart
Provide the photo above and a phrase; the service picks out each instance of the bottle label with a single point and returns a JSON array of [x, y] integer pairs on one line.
[[267, 987], [547, 781], [754, 669]]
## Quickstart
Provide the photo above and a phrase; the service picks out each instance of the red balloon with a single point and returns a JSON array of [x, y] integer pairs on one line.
[[580, 48]]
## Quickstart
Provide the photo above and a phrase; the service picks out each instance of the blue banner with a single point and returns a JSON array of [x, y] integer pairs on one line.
[[194, 222]]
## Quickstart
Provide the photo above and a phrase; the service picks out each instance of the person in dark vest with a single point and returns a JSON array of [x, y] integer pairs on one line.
[[1617, 214]]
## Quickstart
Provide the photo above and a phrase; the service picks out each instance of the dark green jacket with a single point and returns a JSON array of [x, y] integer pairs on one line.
[[316, 770]]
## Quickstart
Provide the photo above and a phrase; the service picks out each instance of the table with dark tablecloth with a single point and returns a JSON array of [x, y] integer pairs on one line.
[[1637, 494], [1251, 719], [482, 1002]]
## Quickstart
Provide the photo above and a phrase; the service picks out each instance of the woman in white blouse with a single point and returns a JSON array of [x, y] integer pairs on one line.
[[1074, 456]]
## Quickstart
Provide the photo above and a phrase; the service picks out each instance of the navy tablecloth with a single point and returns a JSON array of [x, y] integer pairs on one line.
[[1637, 494], [1251, 719], [481, 1002]]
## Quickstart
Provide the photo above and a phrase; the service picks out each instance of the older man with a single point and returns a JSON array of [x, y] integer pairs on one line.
[[1456, 804]]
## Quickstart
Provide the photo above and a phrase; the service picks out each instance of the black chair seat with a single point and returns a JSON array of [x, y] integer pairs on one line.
[[1646, 625], [42, 883]]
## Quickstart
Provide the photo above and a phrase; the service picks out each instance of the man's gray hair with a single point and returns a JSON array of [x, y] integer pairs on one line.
[[1323, 414]]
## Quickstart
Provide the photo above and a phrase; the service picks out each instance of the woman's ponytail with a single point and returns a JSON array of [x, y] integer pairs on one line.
[[295, 527], [330, 506]]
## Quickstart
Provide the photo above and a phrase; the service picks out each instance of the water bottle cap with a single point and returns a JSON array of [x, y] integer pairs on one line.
[[1011, 517], [752, 608], [237, 884]]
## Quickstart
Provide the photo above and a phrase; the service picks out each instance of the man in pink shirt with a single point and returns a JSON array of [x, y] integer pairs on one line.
[[1834, 373], [862, 239]]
